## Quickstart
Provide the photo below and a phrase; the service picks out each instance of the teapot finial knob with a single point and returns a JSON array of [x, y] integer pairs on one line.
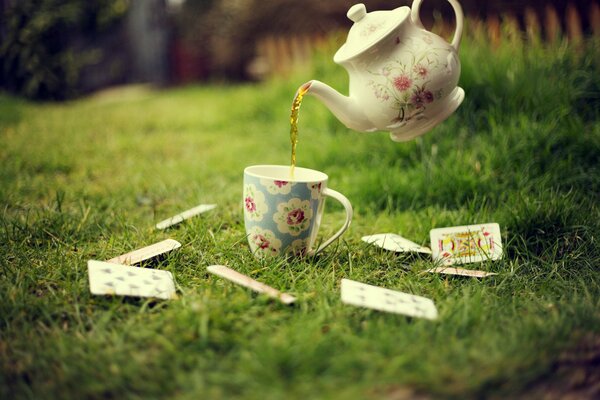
[[357, 12]]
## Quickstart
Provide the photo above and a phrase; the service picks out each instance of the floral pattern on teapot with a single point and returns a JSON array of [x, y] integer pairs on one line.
[[405, 85]]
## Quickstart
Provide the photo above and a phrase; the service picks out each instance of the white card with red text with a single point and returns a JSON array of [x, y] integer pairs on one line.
[[466, 244], [378, 298]]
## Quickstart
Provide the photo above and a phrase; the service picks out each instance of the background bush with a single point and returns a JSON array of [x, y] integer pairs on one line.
[[45, 44]]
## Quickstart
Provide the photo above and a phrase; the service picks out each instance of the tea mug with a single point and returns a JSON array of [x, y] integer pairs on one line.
[[283, 210]]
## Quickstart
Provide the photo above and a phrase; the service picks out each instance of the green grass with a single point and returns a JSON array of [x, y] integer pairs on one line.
[[89, 179]]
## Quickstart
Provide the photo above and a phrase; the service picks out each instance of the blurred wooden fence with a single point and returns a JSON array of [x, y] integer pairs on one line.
[[278, 55]]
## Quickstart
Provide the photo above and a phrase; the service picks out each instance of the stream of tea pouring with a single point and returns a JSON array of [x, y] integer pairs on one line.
[[295, 111]]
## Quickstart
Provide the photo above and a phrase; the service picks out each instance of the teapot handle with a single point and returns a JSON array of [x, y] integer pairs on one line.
[[414, 16]]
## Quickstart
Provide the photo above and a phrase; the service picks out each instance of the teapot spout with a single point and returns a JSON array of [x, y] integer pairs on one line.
[[345, 108]]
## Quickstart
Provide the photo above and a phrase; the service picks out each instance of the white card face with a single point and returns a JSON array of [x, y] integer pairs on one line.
[[393, 242], [146, 253], [461, 271], [112, 279], [202, 208], [377, 298], [466, 244]]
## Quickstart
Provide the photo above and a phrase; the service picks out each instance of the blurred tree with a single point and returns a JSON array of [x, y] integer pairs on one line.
[[225, 31], [42, 50]]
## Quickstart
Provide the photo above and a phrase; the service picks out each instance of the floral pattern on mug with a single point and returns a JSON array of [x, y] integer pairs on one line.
[[277, 187], [263, 242], [299, 247], [315, 189], [255, 205], [293, 217]]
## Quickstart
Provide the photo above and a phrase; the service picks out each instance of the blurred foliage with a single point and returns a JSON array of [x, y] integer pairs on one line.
[[43, 47], [226, 31]]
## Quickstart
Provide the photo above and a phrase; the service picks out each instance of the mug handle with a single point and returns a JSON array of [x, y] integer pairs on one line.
[[414, 16], [347, 207]]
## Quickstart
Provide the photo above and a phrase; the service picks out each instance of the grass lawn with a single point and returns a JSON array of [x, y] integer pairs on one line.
[[88, 179]]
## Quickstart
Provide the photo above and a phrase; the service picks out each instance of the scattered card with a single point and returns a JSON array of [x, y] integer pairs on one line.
[[111, 279], [146, 253], [246, 281], [377, 298], [466, 244], [461, 271], [185, 215], [393, 242]]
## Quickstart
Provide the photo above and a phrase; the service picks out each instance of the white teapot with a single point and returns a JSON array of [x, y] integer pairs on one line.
[[403, 78]]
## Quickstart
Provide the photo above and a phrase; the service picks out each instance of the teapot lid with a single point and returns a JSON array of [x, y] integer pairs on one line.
[[368, 29]]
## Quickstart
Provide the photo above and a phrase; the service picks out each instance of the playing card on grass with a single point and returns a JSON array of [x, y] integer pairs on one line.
[[112, 279], [393, 242], [466, 244], [461, 272], [192, 212], [146, 253], [244, 280], [377, 298]]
